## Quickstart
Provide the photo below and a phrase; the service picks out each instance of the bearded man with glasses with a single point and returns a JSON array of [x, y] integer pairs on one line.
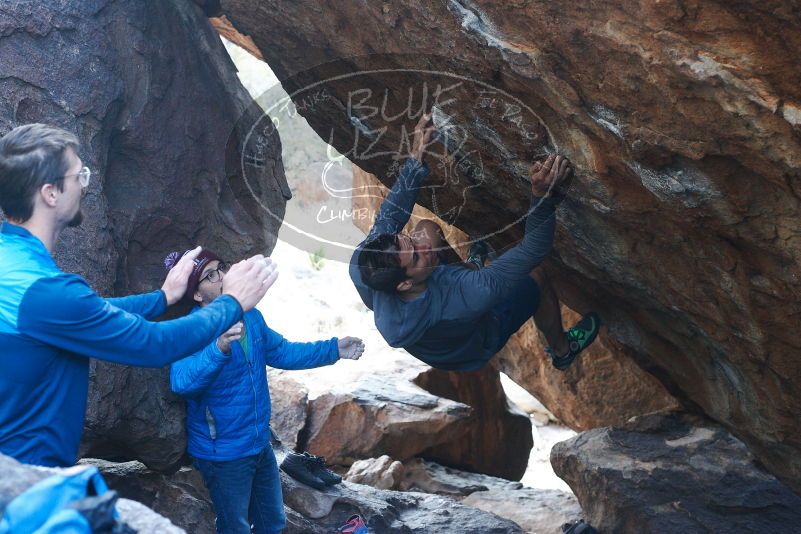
[[52, 322]]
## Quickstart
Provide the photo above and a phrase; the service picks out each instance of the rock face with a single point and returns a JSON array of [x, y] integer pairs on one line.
[[382, 472], [402, 410], [534, 509], [132, 413], [391, 512], [180, 497], [183, 498], [159, 123], [370, 415], [683, 120], [605, 387], [672, 473], [17, 477], [492, 445], [290, 408]]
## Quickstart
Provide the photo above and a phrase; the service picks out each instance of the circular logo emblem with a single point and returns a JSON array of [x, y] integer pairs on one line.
[[334, 127]]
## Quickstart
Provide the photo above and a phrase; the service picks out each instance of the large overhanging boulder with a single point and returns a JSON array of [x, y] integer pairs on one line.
[[683, 120], [153, 97]]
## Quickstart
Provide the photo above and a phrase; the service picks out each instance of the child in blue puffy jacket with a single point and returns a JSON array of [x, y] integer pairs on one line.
[[228, 406]]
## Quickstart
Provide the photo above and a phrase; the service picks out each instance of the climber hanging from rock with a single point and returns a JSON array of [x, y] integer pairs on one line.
[[452, 316]]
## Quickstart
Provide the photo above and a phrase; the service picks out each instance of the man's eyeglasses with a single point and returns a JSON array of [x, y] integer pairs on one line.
[[215, 275], [83, 176]]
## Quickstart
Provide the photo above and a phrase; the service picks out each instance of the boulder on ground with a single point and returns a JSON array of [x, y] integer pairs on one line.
[[181, 497], [388, 512], [382, 472], [402, 409], [534, 509], [673, 472], [500, 440]]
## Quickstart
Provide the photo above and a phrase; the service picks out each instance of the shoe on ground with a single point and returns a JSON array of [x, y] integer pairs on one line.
[[579, 337], [298, 467], [354, 525], [318, 467]]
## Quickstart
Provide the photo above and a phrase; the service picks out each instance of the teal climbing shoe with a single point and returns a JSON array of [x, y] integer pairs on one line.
[[579, 337]]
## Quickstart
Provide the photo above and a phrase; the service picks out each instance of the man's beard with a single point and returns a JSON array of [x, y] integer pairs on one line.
[[77, 220]]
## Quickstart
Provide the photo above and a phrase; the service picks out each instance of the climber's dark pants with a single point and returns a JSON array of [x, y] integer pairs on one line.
[[513, 313]]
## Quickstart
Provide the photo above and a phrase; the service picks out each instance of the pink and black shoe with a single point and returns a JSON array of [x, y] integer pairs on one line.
[[354, 525]]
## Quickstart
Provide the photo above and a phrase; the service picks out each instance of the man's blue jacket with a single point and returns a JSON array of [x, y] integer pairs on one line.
[[51, 323], [228, 401]]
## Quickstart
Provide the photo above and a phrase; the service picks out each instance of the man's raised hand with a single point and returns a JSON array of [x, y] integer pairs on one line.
[[249, 280], [548, 176], [175, 284]]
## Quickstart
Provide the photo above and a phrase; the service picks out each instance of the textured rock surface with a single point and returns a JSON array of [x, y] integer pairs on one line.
[[15, 478], [183, 497], [603, 388], [371, 417], [156, 119], [672, 473], [180, 497], [289, 405], [534, 509], [402, 409], [499, 442], [382, 472], [390, 512], [132, 413], [684, 123]]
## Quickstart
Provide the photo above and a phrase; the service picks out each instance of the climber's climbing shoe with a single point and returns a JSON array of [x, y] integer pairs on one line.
[[579, 337]]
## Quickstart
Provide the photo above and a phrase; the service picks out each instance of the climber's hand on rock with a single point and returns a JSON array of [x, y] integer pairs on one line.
[[422, 137], [563, 181], [550, 174]]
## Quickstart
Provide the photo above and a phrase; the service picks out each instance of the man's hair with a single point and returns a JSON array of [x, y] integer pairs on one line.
[[379, 264], [31, 156]]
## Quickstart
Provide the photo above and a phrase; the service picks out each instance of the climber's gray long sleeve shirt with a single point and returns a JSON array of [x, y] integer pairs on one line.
[[451, 325]]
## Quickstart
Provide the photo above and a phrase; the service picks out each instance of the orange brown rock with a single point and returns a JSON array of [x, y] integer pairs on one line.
[[683, 228]]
